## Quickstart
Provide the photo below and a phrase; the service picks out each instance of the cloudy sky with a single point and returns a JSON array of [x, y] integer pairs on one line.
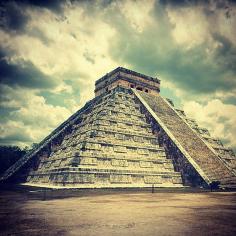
[[51, 53]]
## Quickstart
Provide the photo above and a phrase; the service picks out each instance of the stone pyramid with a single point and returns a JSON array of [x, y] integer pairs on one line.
[[127, 136]]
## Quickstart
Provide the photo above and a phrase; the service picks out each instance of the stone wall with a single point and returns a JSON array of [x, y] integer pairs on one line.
[[127, 79], [112, 146]]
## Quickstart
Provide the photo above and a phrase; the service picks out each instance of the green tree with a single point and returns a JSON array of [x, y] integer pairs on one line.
[[9, 155]]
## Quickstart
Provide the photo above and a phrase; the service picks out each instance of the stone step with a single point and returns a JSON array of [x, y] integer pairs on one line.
[[185, 137]]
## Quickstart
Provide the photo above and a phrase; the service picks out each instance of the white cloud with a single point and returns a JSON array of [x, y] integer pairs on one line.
[[137, 13], [14, 97], [39, 114], [15, 133], [191, 25], [195, 25], [32, 118], [62, 88]]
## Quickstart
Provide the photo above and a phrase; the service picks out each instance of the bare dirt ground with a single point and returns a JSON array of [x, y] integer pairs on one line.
[[25, 212]]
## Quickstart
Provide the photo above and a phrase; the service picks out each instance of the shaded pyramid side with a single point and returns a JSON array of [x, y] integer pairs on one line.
[[111, 146], [182, 140]]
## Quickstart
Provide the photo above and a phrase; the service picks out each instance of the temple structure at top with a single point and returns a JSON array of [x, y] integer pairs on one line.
[[127, 136], [127, 79]]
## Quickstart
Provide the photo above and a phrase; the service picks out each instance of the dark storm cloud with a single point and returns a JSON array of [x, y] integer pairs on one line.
[[13, 20], [24, 74], [181, 3], [53, 5], [209, 6], [16, 137], [12, 16], [226, 52]]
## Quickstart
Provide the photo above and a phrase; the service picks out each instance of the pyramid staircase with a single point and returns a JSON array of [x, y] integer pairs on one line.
[[226, 155], [206, 161]]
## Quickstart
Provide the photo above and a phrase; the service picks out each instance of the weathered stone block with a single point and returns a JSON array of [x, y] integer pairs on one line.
[[120, 178]]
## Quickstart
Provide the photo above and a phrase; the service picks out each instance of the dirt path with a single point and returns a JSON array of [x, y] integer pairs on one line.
[[119, 213]]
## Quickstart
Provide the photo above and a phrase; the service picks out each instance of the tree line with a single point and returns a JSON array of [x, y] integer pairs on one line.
[[11, 154]]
